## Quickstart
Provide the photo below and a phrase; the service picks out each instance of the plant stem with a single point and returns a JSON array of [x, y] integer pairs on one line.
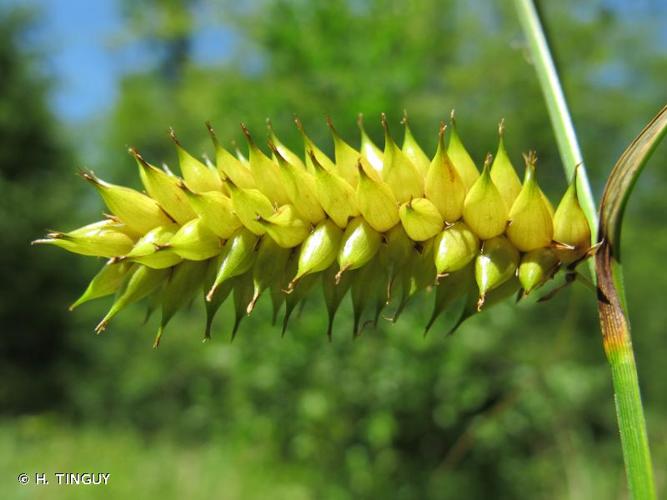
[[561, 122], [613, 321], [617, 344]]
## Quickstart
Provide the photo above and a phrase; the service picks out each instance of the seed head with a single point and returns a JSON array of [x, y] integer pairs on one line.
[[384, 225]]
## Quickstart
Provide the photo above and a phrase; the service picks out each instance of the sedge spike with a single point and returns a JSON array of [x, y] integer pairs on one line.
[[385, 226]]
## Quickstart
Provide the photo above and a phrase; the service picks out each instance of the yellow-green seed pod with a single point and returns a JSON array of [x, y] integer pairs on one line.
[[454, 248], [359, 245], [420, 218], [318, 251], [194, 241], [137, 211], [335, 286], [484, 210], [300, 188], [107, 281], [215, 211], [286, 227], [142, 283], [153, 251], [376, 203], [536, 268], [265, 172], [369, 151], [460, 157], [502, 171], [185, 280], [197, 175], [268, 268], [335, 195], [412, 150], [530, 225], [161, 258], [284, 151], [249, 204], [238, 255], [450, 289], [495, 265], [347, 157], [310, 146], [220, 295], [571, 229], [444, 186], [496, 296], [229, 166], [165, 189], [100, 239], [398, 172]]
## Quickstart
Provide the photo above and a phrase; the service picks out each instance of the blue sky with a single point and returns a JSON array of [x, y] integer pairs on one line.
[[85, 55]]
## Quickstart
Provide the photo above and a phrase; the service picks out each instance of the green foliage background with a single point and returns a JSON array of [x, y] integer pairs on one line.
[[518, 404]]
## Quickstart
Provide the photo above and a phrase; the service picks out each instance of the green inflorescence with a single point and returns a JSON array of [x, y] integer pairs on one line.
[[381, 224]]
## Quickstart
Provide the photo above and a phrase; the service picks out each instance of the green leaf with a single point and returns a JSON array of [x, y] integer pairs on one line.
[[623, 177]]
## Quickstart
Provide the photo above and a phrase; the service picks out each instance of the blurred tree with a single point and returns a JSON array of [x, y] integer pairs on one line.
[[37, 188], [166, 27]]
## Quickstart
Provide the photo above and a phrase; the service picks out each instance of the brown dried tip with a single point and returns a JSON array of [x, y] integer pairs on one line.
[[404, 120], [246, 132], [488, 160], [441, 130], [298, 124], [211, 293], [452, 115], [253, 302], [480, 302], [339, 275], [330, 123], [112, 217], [360, 120], [172, 136], [561, 246], [101, 326], [530, 158], [137, 156], [89, 176], [501, 127], [383, 121], [211, 132]]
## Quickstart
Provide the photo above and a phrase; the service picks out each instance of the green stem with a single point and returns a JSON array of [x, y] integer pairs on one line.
[[561, 121], [617, 344], [614, 323]]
